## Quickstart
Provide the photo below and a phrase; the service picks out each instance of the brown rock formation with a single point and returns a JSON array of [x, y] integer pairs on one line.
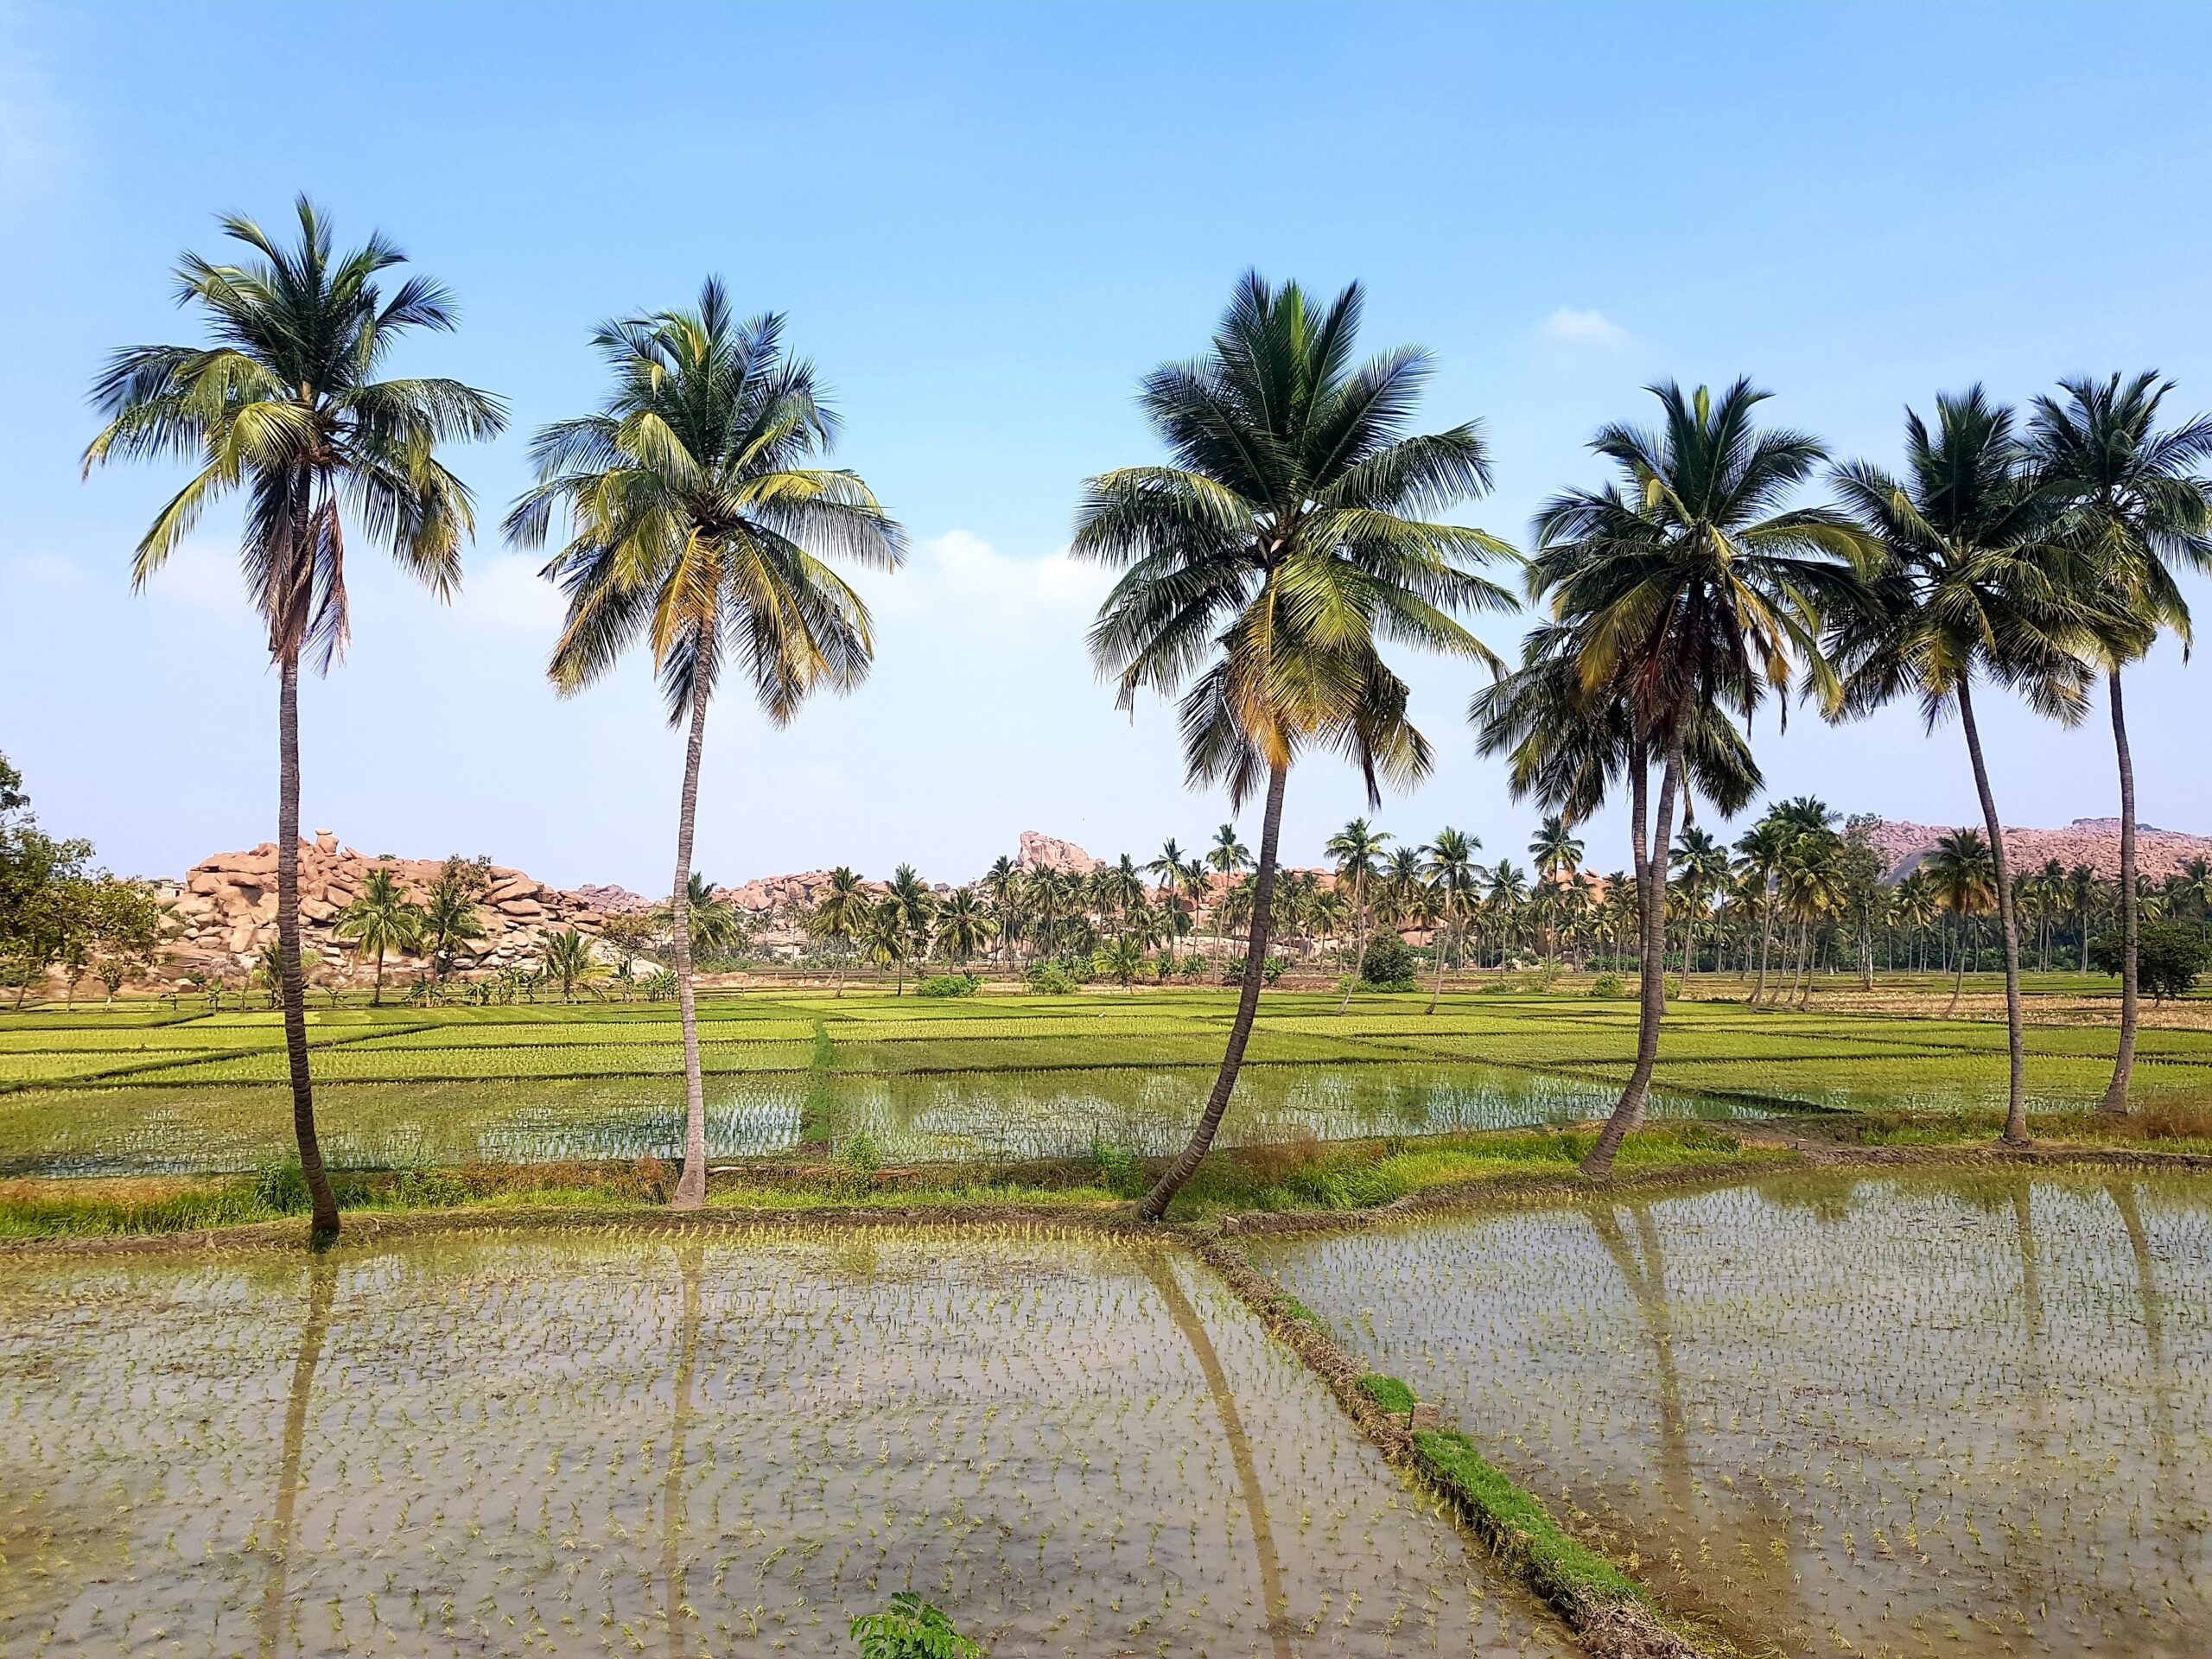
[[2094, 842]]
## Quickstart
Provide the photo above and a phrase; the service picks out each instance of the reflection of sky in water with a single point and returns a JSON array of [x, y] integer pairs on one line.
[[943, 1116], [1920, 1415], [577, 1443]]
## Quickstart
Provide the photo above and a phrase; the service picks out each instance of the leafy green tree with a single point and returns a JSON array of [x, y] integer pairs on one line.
[[2138, 512], [1967, 589], [281, 403], [126, 928], [567, 959], [1265, 565], [44, 891], [2169, 956], [700, 527], [379, 921]]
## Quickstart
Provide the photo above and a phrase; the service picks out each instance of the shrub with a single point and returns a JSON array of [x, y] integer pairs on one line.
[[2168, 957], [1388, 961], [1119, 1171], [1607, 984], [949, 985], [1192, 968], [912, 1630], [1272, 969], [858, 1165], [1050, 979]]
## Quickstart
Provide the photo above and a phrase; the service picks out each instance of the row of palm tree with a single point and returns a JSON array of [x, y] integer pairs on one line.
[[1294, 531]]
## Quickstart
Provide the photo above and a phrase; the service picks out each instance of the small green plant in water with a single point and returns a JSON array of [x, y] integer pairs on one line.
[[914, 1629]]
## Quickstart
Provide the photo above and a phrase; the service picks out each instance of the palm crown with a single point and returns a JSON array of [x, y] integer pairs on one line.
[[284, 404], [1285, 540], [697, 522]]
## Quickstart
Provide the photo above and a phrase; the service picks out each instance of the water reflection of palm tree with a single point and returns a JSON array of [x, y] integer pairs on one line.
[[1645, 1271], [672, 1497], [323, 1285], [2165, 1452], [1186, 1319]]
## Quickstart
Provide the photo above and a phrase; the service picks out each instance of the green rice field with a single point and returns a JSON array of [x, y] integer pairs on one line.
[[148, 1090]]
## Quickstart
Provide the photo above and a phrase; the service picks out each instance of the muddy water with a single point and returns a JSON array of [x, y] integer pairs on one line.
[[1925, 1414], [580, 1443]]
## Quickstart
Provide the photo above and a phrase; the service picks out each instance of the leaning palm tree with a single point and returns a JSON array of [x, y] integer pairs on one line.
[[1265, 565], [379, 921], [282, 403], [700, 525], [1682, 590], [1356, 850], [2138, 510], [1968, 590]]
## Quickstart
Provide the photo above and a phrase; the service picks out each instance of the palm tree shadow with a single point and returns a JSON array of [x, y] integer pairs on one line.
[[323, 1285], [1277, 1605]]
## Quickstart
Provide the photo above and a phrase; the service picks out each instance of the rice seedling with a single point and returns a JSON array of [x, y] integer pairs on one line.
[[718, 1442], [1906, 1414]]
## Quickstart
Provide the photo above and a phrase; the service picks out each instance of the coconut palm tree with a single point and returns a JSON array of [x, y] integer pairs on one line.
[[1701, 868], [1167, 869], [840, 914], [888, 937], [963, 929], [1001, 884], [717, 929], [1759, 852], [567, 958], [1448, 867], [1962, 871], [917, 907], [2139, 510], [379, 921], [1968, 590], [700, 525], [1265, 566], [1355, 849], [1809, 885], [1681, 591], [282, 403]]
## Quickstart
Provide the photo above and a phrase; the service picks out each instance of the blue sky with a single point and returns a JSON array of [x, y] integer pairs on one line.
[[984, 224]]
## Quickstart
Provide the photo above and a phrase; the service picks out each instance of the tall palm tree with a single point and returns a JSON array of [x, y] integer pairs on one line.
[[1702, 867], [889, 938], [700, 525], [1810, 887], [379, 921], [910, 895], [840, 914], [1267, 563], [1759, 852], [1355, 849], [1448, 865], [282, 403], [2138, 510], [1167, 869], [2081, 886], [1557, 853], [1001, 884], [567, 958], [1681, 591], [963, 928], [1962, 873], [1967, 589]]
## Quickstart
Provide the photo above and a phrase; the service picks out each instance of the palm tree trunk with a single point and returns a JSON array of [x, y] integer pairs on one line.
[[1442, 934], [691, 1185], [1359, 938], [1766, 944], [291, 982], [2114, 1104], [1154, 1204], [2016, 1109], [376, 1001], [1651, 887]]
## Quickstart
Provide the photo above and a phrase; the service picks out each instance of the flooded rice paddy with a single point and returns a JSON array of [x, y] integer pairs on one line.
[[1900, 1414], [1061, 1112], [708, 1444]]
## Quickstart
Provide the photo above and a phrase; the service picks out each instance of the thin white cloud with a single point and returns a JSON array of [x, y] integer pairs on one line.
[[506, 594], [48, 573], [200, 574], [1582, 328], [960, 574]]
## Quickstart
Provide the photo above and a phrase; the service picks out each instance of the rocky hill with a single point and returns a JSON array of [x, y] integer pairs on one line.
[[226, 907], [2094, 842]]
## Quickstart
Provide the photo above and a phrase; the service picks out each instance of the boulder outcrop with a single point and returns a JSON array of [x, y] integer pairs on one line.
[[2094, 842]]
